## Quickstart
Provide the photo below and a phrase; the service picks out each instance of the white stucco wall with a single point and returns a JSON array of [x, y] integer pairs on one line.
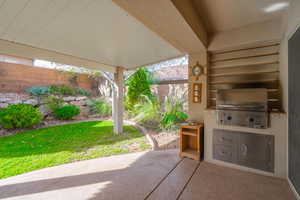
[[196, 110], [238, 38]]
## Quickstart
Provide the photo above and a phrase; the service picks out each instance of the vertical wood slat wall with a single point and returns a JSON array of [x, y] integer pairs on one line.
[[253, 67]]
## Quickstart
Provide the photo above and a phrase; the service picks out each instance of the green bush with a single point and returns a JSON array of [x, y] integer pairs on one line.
[[83, 92], [57, 90], [54, 102], [174, 114], [100, 107], [66, 112], [138, 87], [20, 116], [62, 90], [39, 90], [148, 112]]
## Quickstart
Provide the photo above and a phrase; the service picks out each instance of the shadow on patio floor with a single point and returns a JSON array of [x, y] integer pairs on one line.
[[130, 176]]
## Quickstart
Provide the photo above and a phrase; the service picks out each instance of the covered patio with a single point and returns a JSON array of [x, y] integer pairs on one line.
[[238, 45], [97, 35], [159, 175]]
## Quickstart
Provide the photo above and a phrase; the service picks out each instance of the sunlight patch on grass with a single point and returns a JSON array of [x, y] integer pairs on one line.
[[46, 147]]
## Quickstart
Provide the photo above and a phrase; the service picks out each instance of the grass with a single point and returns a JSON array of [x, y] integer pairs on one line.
[[46, 147]]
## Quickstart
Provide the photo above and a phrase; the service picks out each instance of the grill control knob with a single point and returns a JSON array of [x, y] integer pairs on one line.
[[251, 119], [229, 118]]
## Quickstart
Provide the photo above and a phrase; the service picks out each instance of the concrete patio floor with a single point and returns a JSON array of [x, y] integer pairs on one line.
[[146, 175]]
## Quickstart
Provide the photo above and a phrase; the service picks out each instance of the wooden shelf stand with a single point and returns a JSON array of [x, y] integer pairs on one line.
[[191, 141]]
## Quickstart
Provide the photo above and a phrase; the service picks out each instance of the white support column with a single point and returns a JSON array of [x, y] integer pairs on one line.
[[118, 100]]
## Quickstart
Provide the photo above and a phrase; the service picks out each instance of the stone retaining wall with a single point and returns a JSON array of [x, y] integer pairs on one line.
[[7, 99]]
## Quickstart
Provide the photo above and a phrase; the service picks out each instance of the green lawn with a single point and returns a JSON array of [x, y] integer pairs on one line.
[[46, 147]]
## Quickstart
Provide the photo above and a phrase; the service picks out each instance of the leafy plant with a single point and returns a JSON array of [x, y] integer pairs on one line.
[[138, 86], [100, 107], [54, 102], [39, 90], [20, 116], [174, 114], [83, 92], [57, 90], [66, 112], [72, 76], [148, 112], [62, 90]]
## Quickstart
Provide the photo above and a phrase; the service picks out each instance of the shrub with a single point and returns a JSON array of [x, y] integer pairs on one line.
[[100, 107], [148, 112], [20, 116], [54, 102], [173, 115], [66, 112], [39, 90], [138, 87], [57, 90], [83, 92], [62, 90]]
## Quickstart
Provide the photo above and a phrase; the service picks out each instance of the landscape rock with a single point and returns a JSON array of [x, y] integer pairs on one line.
[[15, 102], [78, 103], [84, 112], [13, 98], [3, 105], [69, 98], [81, 98], [2, 132], [4, 99], [33, 102], [44, 110]]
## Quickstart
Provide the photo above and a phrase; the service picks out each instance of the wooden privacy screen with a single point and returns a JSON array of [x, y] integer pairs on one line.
[[252, 67]]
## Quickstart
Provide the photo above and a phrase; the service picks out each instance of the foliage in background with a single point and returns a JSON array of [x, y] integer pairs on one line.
[[72, 77], [148, 112], [39, 90], [57, 90], [138, 86], [62, 90], [66, 112], [146, 109], [20, 116], [82, 92], [54, 102], [174, 114], [101, 84], [100, 107]]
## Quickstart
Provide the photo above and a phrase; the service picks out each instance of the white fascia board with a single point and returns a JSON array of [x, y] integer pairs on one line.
[[26, 51]]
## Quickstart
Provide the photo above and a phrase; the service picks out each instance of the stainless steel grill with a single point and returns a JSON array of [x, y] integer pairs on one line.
[[243, 107]]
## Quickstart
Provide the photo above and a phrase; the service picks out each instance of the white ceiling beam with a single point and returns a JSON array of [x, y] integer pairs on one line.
[[26, 51], [163, 18]]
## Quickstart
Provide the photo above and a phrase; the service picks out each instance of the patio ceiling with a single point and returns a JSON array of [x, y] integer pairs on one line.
[[224, 15], [90, 33], [128, 33]]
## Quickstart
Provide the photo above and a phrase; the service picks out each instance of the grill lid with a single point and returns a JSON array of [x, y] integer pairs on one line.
[[245, 107], [243, 99]]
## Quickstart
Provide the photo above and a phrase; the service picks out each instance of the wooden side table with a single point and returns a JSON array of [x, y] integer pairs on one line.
[[191, 141]]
